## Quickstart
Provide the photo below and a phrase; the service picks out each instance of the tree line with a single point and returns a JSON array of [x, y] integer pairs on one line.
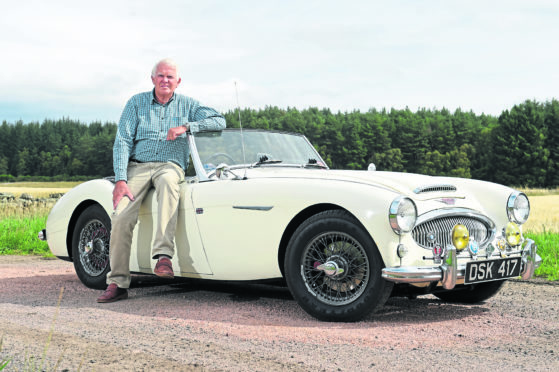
[[517, 148]]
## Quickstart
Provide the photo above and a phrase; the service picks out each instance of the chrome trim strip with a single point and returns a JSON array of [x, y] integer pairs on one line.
[[434, 188], [253, 208], [452, 212], [200, 171]]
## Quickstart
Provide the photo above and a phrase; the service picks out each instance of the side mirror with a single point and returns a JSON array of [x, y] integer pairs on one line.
[[372, 167], [221, 170]]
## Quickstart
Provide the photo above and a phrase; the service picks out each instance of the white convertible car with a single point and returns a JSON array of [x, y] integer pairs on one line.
[[263, 205]]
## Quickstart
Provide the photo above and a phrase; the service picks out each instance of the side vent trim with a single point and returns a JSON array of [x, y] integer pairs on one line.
[[434, 188]]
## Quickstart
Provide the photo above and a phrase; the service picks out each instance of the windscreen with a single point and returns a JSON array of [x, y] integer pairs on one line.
[[227, 147]]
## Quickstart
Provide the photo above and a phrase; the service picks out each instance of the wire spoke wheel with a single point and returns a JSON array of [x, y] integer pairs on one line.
[[93, 248], [333, 268], [349, 261], [90, 246]]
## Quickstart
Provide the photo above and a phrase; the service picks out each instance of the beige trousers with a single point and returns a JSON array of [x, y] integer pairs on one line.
[[165, 177]]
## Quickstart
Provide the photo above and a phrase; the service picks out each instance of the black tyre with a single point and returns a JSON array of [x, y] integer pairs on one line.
[[90, 247], [333, 268], [471, 294]]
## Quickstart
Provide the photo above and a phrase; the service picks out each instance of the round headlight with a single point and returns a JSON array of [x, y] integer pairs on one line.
[[402, 215], [512, 234], [518, 207], [460, 237]]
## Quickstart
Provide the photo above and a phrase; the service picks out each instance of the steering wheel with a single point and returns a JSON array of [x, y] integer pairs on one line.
[[217, 155]]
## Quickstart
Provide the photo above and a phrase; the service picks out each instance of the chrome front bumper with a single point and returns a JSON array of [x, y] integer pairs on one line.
[[449, 272]]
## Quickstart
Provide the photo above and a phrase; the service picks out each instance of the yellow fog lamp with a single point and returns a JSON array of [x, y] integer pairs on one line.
[[513, 234], [460, 237]]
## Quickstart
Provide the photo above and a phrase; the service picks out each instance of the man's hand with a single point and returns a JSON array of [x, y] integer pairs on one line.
[[121, 189], [173, 133]]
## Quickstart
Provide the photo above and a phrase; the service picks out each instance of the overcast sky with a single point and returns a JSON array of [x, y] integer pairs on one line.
[[84, 59]]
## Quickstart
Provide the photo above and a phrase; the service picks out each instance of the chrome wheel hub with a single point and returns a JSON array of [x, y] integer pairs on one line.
[[330, 268], [93, 248], [335, 268]]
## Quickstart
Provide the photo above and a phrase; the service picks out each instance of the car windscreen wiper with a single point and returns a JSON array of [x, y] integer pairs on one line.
[[313, 163], [264, 160]]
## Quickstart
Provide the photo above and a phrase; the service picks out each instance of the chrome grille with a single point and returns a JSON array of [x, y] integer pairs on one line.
[[441, 229]]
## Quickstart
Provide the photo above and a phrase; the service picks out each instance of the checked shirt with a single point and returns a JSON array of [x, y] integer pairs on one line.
[[143, 126]]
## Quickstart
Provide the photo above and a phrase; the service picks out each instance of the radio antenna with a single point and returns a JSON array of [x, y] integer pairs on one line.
[[241, 129]]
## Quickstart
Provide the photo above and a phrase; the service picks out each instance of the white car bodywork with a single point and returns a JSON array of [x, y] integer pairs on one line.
[[236, 222]]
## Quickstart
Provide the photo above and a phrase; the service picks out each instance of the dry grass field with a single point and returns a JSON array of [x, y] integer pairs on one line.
[[544, 214], [37, 189]]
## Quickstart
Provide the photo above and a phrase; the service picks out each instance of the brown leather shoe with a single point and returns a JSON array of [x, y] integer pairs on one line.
[[113, 293], [164, 268]]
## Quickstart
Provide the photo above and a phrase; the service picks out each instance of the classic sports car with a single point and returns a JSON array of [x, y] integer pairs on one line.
[[263, 205]]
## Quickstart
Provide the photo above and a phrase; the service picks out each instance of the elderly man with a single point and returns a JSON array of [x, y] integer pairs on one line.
[[151, 149]]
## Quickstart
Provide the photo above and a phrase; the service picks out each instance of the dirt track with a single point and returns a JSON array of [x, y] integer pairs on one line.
[[193, 326]]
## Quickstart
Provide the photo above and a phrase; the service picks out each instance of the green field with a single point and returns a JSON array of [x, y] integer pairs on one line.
[[548, 249], [18, 235], [19, 229]]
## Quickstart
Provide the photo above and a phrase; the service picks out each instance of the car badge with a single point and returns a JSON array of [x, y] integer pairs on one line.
[[199, 210], [438, 253], [489, 250], [502, 246], [447, 201], [431, 237], [473, 247]]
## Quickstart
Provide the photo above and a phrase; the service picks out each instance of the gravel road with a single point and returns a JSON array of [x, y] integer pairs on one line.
[[186, 325]]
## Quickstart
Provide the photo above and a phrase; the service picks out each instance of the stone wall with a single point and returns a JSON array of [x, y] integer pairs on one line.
[[9, 200]]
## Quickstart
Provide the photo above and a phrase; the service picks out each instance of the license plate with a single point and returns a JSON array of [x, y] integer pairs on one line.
[[485, 271]]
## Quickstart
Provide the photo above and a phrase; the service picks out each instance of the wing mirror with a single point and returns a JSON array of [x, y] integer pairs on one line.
[[224, 172], [221, 171]]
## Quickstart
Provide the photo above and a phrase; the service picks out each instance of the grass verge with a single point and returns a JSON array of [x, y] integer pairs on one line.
[[548, 250], [18, 236]]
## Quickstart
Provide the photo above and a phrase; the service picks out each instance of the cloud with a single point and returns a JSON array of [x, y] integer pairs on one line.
[[86, 59]]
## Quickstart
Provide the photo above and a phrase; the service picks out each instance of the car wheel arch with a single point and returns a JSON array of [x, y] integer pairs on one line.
[[72, 223], [299, 219]]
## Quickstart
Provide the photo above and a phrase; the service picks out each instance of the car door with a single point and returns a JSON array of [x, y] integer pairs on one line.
[[241, 225]]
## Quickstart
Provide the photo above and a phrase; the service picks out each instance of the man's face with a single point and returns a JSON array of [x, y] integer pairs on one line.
[[165, 80]]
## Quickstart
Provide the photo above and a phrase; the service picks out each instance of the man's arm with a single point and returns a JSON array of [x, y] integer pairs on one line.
[[124, 143], [124, 140], [121, 190], [200, 118], [204, 118]]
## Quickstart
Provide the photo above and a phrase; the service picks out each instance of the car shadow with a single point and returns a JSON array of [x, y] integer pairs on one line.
[[204, 300], [235, 290], [422, 309]]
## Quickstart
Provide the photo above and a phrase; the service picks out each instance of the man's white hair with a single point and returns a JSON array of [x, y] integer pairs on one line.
[[168, 62]]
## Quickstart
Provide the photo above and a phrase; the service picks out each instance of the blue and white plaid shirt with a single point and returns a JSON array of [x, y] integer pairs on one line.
[[143, 126]]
